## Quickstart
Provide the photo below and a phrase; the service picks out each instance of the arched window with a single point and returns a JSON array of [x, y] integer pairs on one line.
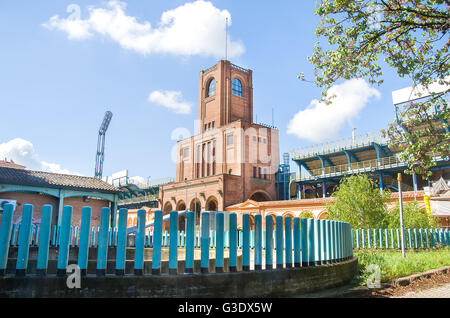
[[212, 88], [237, 87]]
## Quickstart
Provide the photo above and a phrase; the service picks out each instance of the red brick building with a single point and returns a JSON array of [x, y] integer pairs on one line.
[[232, 159]]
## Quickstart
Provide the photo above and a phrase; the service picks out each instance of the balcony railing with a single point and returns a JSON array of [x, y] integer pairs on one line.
[[362, 166]]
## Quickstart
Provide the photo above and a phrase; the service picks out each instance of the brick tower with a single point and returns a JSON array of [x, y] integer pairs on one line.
[[232, 159]]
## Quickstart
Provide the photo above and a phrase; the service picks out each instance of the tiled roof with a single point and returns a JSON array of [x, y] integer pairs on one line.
[[54, 180]]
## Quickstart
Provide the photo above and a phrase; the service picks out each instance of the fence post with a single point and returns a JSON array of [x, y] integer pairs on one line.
[[258, 242], [233, 242], [328, 240], [279, 241], [173, 243], [269, 242], [409, 238], [288, 238], [204, 262], [416, 239], [219, 241], [427, 242], [63, 256], [103, 237], [246, 242], [317, 256], [363, 238], [380, 235], [304, 241], [83, 249], [357, 239], [311, 244], [374, 238], [24, 240], [157, 241], [431, 238], [324, 242], [421, 238], [121, 251], [44, 240], [36, 234], [139, 241], [190, 228], [5, 235], [297, 243], [386, 238], [339, 240]]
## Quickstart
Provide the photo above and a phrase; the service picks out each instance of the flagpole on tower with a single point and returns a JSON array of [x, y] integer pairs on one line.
[[226, 39]]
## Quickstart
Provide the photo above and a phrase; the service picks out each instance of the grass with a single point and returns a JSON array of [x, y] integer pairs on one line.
[[393, 265]]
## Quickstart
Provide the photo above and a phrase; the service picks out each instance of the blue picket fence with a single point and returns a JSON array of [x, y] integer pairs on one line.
[[296, 242], [391, 238]]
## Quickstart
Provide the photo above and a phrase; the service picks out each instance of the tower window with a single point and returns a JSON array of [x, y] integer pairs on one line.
[[230, 139], [212, 88], [237, 87]]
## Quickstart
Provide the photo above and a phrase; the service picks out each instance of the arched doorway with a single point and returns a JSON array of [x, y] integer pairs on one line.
[[181, 206], [212, 204], [167, 209], [196, 207], [260, 197]]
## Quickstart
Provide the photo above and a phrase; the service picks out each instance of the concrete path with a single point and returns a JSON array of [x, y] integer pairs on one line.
[[436, 292]]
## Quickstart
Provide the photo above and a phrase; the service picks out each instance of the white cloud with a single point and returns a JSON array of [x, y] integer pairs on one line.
[[172, 100], [195, 28], [320, 121], [21, 151]]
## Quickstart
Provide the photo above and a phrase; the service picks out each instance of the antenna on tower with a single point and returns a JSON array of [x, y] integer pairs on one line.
[[273, 123], [226, 39]]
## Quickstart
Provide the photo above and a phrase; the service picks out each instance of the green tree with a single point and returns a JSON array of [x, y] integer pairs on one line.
[[307, 214], [359, 202], [411, 36], [413, 217]]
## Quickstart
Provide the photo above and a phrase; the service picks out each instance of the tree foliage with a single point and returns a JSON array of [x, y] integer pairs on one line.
[[413, 217], [410, 36], [359, 202]]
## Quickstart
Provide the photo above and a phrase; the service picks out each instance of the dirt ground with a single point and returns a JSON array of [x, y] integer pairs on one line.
[[436, 280]]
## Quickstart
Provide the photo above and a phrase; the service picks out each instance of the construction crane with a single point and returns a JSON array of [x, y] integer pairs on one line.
[[101, 145]]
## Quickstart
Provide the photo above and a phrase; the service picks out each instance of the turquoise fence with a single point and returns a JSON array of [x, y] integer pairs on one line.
[[295, 242], [391, 238]]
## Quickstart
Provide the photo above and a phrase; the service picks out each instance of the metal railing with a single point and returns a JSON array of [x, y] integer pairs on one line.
[[358, 141], [360, 166]]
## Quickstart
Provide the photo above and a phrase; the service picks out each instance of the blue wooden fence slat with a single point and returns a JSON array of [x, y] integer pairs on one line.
[[157, 242], [121, 249], [173, 243], [63, 252], [269, 242], [258, 242], [5, 235], [44, 240], [220, 229], [103, 236]]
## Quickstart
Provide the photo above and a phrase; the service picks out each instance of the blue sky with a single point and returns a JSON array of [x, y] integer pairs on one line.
[[57, 79]]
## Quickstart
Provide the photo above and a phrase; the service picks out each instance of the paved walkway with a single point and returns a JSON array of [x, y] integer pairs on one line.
[[437, 292]]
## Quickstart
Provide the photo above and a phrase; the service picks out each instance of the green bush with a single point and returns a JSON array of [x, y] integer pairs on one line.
[[358, 201], [413, 217]]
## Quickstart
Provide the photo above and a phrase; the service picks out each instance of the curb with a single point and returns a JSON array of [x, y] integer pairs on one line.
[[405, 281], [361, 291]]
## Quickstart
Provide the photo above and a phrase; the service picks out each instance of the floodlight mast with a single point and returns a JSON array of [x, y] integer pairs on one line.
[[101, 145]]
